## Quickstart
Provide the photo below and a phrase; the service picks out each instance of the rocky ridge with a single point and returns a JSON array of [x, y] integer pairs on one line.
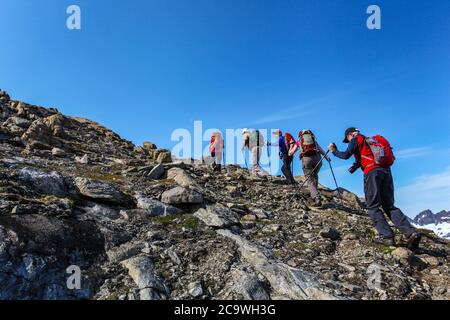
[[142, 226]]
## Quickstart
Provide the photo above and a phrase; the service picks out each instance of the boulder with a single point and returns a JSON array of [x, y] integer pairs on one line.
[[48, 183], [195, 289], [350, 198], [4, 95], [154, 207], [164, 157], [58, 152], [180, 195], [83, 160], [181, 177], [217, 216], [125, 251], [39, 136], [18, 121], [157, 172], [102, 191], [55, 123], [401, 253], [430, 260], [142, 271], [149, 146]]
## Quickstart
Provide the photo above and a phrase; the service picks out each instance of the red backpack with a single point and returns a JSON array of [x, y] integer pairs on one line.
[[308, 143], [375, 152], [289, 139]]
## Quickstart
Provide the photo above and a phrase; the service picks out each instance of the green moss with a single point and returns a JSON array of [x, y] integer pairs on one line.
[[299, 246], [385, 249], [263, 222], [102, 177], [49, 199], [190, 221], [277, 253], [165, 220]]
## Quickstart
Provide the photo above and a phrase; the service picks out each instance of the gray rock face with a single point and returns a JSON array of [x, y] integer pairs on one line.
[[217, 216], [180, 195], [155, 208], [288, 283], [249, 286], [157, 172], [125, 251], [102, 191], [44, 183], [181, 177], [52, 245], [141, 270]]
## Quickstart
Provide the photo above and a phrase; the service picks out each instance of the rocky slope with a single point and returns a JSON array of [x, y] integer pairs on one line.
[[140, 226]]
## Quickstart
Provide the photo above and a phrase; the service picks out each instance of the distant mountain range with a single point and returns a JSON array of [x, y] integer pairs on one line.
[[437, 222]]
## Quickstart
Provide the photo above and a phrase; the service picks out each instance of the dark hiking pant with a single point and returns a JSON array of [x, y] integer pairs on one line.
[[379, 191], [308, 165], [286, 168]]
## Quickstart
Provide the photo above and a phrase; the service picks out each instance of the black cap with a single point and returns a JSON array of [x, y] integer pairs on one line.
[[349, 131]]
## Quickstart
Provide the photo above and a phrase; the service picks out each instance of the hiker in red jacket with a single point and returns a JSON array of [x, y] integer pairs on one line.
[[310, 155], [374, 156], [216, 150]]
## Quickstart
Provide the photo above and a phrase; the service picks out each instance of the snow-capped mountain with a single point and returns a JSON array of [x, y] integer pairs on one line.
[[439, 223]]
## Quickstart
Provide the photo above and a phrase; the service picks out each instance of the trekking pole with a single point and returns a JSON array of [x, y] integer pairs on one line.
[[335, 181], [312, 172], [245, 159], [268, 156], [292, 167]]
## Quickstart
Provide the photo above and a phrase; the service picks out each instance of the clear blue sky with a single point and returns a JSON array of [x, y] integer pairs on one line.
[[147, 67]]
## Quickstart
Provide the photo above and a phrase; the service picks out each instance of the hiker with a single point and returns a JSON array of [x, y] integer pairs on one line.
[[216, 149], [310, 156], [254, 141], [375, 157], [284, 155]]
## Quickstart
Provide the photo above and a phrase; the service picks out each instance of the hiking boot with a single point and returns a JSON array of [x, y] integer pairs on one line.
[[414, 241], [389, 242]]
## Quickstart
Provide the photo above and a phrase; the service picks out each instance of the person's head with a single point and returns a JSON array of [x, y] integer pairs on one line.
[[278, 133], [350, 134], [245, 131]]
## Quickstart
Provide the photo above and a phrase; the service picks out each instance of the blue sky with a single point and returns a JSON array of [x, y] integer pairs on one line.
[[147, 67]]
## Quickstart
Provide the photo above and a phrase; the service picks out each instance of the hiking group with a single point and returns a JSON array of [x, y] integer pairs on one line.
[[373, 155]]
